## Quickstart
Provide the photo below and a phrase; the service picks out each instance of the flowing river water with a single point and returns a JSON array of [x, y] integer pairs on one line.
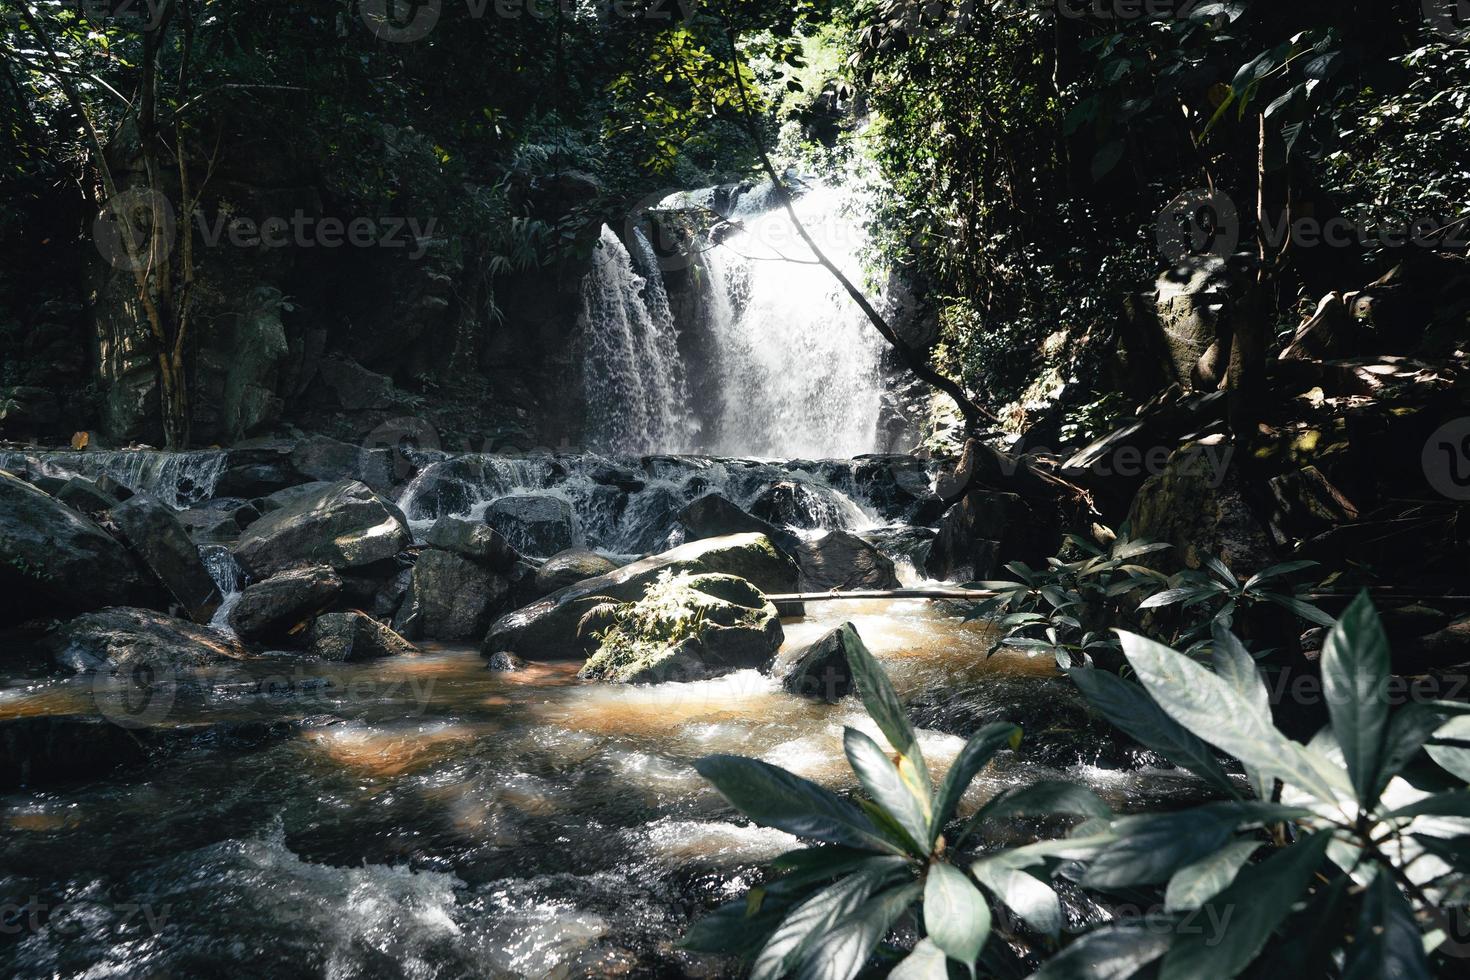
[[426, 817]]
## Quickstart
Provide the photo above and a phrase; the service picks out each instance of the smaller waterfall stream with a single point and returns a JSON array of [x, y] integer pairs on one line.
[[637, 399]]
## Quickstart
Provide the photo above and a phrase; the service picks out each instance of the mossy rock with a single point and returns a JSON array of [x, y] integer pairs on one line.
[[686, 627]]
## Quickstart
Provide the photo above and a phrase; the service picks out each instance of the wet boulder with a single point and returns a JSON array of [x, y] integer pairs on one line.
[[648, 519], [820, 671], [323, 458], [714, 515], [687, 627], [56, 562], [85, 497], [534, 523], [790, 504], [128, 640], [354, 636], [290, 495], [547, 629], [344, 525], [218, 521], [843, 562], [450, 598], [570, 567], [280, 606], [474, 540], [156, 536]]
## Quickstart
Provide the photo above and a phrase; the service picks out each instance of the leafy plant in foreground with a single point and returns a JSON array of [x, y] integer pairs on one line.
[[879, 856], [1379, 852]]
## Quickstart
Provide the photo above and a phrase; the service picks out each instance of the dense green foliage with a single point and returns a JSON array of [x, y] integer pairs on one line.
[[1341, 857]]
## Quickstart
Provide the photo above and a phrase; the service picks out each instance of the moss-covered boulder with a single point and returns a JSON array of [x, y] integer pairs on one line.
[[547, 629], [687, 627]]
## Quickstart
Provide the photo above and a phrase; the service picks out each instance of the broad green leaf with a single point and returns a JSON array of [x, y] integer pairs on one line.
[[926, 962], [1030, 898], [841, 953], [1195, 884], [1250, 910], [1166, 598], [1152, 847], [888, 713], [818, 864], [1130, 708], [1113, 952], [1211, 708], [976, 755], [1452, 758], [812, 919], [773, 797], [886, 788], [1311, 936], [1354, 682], [955, 914], [1043, 799], [1452, 804], [1408, 730], [1388, 946], [1235, 664], [732, 929]]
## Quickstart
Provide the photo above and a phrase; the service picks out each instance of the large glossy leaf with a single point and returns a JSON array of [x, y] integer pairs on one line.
[[1247, 913], [1215, 711], [808, 922], [1044, 799], [1005, 877], [1115, 952], [733, 929], [1355, 684], [1453, 804], [1150, 849], [955, 914], [1195, 884], [886, 788], [1409, 728], [841, 953], [1452, 758], [976, 755], [1389, 945], [888, 714], [926, 962], [1130, 708], [1238, 668], [773, 797]]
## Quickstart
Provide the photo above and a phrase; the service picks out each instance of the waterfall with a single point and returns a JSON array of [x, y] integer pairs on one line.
[[633, 380], [796, 363]]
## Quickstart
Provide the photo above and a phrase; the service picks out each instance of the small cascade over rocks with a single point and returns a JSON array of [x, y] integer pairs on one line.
[[633, 379], [629, 505], [180, 480]]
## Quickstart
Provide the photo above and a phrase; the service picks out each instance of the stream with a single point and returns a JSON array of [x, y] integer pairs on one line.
[[431, 818]]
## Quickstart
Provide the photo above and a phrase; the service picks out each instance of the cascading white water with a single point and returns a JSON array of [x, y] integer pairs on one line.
[[637, 399], [796, 362], [179, 479]]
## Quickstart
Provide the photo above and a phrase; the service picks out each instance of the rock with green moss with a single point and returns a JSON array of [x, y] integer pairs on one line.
[[686, 627], [548, 629]]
